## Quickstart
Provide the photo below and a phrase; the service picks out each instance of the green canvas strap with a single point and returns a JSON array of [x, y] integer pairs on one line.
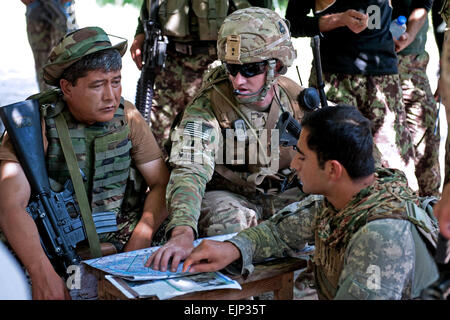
[[77, 180]]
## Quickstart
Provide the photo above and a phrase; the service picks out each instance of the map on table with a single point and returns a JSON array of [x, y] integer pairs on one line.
[[172, 287], [130, 265]]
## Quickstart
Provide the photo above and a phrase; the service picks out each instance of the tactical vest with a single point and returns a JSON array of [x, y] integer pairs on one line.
[[225, 108], [329, 261], [102, 151], [198, 19]]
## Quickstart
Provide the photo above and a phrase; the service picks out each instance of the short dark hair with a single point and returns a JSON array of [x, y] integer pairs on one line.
[[341, 133], [105, 60]]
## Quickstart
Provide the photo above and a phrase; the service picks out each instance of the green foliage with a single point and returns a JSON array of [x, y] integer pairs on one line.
[[281, 5], [136, 3]]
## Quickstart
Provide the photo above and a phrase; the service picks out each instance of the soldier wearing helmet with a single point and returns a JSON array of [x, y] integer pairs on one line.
[[116, 152], [228, 170]]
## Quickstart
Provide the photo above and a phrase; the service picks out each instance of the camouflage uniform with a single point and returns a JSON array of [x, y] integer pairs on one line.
[[367, 250], [226, 207], [44, 33], [187, 59], [199, 195], [421, 114], [104, 151], [123, 188], [420, 105], [175, 86], [363, 72], [379, 98]]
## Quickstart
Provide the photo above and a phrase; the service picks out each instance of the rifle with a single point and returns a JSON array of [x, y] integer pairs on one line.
[[154, 56], [315, 44], [289, 130], [56, 214]]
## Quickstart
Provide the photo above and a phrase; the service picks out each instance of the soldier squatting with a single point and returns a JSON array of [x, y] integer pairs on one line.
[[219, 167]]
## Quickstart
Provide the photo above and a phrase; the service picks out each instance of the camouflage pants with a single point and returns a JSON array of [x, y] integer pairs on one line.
[[175, 86], [225, 212], [43, 36], [379, 98], [421, 113]]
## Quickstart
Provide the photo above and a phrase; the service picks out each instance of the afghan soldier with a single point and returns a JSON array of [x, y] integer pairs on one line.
[[370, 236], [420, 105], [228, 171], [191, 28], [114, 149], [47, 22]]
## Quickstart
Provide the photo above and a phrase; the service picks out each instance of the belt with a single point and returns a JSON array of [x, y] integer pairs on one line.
[[193, 48]]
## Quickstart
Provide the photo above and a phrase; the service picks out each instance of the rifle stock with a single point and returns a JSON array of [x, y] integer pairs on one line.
[[23, 124]]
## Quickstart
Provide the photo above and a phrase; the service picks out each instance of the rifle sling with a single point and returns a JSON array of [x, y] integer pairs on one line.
[[80, 191]]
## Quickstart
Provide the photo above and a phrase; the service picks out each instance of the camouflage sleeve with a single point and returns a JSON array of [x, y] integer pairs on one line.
[[144, 13], [194, 145], [284, 234], [379, 262]]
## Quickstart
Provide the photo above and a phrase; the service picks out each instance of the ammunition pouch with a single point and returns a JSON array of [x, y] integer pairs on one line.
[[176, 15]]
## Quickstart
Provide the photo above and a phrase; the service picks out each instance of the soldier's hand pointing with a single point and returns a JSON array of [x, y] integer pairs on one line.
[[210, 256]]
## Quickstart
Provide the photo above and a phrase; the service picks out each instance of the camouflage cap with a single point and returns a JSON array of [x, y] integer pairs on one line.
[[74, 46], [255, 34]]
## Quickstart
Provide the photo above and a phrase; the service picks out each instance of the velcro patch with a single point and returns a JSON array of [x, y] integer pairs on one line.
[[233, 49]]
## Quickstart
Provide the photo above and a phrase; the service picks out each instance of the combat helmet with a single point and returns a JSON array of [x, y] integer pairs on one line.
[[74, 46], [253, 35]]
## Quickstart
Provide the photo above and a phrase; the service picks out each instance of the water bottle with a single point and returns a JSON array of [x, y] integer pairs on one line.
[[398, 27]]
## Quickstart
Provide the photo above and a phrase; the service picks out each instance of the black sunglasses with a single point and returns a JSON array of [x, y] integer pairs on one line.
[[247, 70]]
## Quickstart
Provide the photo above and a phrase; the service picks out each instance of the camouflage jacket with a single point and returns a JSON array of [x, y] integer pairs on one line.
[[196, 147], [383, 259]]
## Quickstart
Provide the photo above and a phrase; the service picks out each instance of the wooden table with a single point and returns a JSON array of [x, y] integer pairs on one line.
[[276, 275]]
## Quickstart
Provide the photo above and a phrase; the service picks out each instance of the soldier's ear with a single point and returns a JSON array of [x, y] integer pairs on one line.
[[334, 169], [66, 87]]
